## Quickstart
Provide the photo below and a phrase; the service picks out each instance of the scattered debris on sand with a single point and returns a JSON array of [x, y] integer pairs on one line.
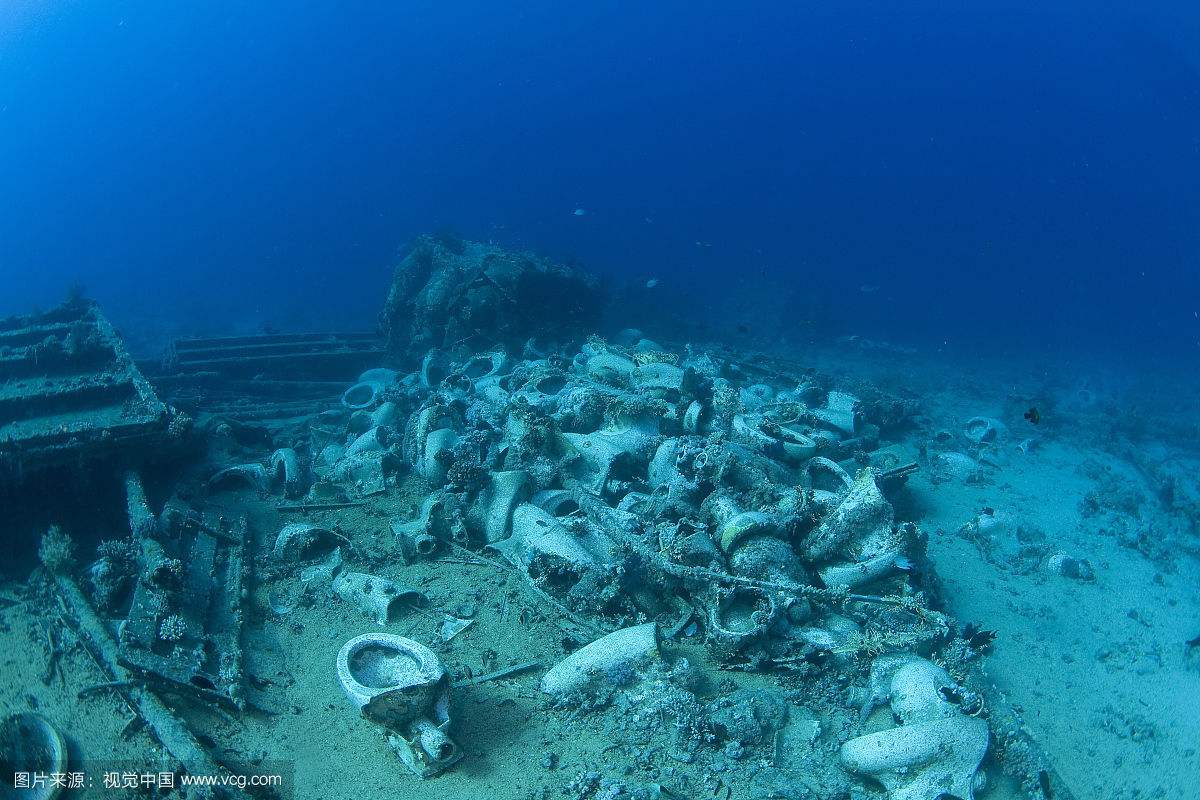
[[702, 562]]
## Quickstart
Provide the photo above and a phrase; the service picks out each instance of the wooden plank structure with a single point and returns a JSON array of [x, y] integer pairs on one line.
[[70, 393]]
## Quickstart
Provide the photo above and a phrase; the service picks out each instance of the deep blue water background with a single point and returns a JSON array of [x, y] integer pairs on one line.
[[1025, 174]]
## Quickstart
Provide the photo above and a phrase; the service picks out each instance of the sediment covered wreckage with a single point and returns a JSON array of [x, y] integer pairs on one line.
[[70, 394], [73, 404], [651, 498]]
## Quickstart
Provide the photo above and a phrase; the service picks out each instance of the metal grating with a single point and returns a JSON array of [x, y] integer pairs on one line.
[[288, 356]]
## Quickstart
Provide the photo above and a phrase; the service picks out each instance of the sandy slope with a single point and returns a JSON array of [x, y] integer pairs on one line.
[[1100, 668]]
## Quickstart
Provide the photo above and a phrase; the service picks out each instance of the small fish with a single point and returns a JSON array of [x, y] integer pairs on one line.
[[743, 329], [703, 244], [978, 638], [869, 288], [579, 212], [650, 284], [1033, 416]]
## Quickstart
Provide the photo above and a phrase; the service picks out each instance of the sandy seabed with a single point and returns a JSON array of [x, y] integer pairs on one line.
[[1096, 665]]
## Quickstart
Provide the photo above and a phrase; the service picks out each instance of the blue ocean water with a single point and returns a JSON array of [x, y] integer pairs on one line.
[[944, 216], [1022, 173]]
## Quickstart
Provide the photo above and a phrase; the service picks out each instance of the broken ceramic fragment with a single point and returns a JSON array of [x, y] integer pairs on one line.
[[301, 541], [453, 626], [937, 748], [287, 472], [379, 598], [610, 658], [982, 430], [254, 476]]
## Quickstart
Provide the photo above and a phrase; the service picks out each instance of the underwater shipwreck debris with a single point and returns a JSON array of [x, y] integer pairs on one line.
[[352, 453], [70, 394], [891, 479], [185, 622], [416, 538], [379, 598], [936, 749], [590, 475], [452, 626], [287, 472], [449, 292], [290, 356], [565, 489], [300, 541], [862, 513], [1067, 566], [606, 660], [255, 476], [501, 674], [401, 685], [271, 379], [641, 494], [364, 395], [282, 471], [170, 732], [984, 430], [635, 493], [30, 744], [629, 484], [839, 412], [954, 466]]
